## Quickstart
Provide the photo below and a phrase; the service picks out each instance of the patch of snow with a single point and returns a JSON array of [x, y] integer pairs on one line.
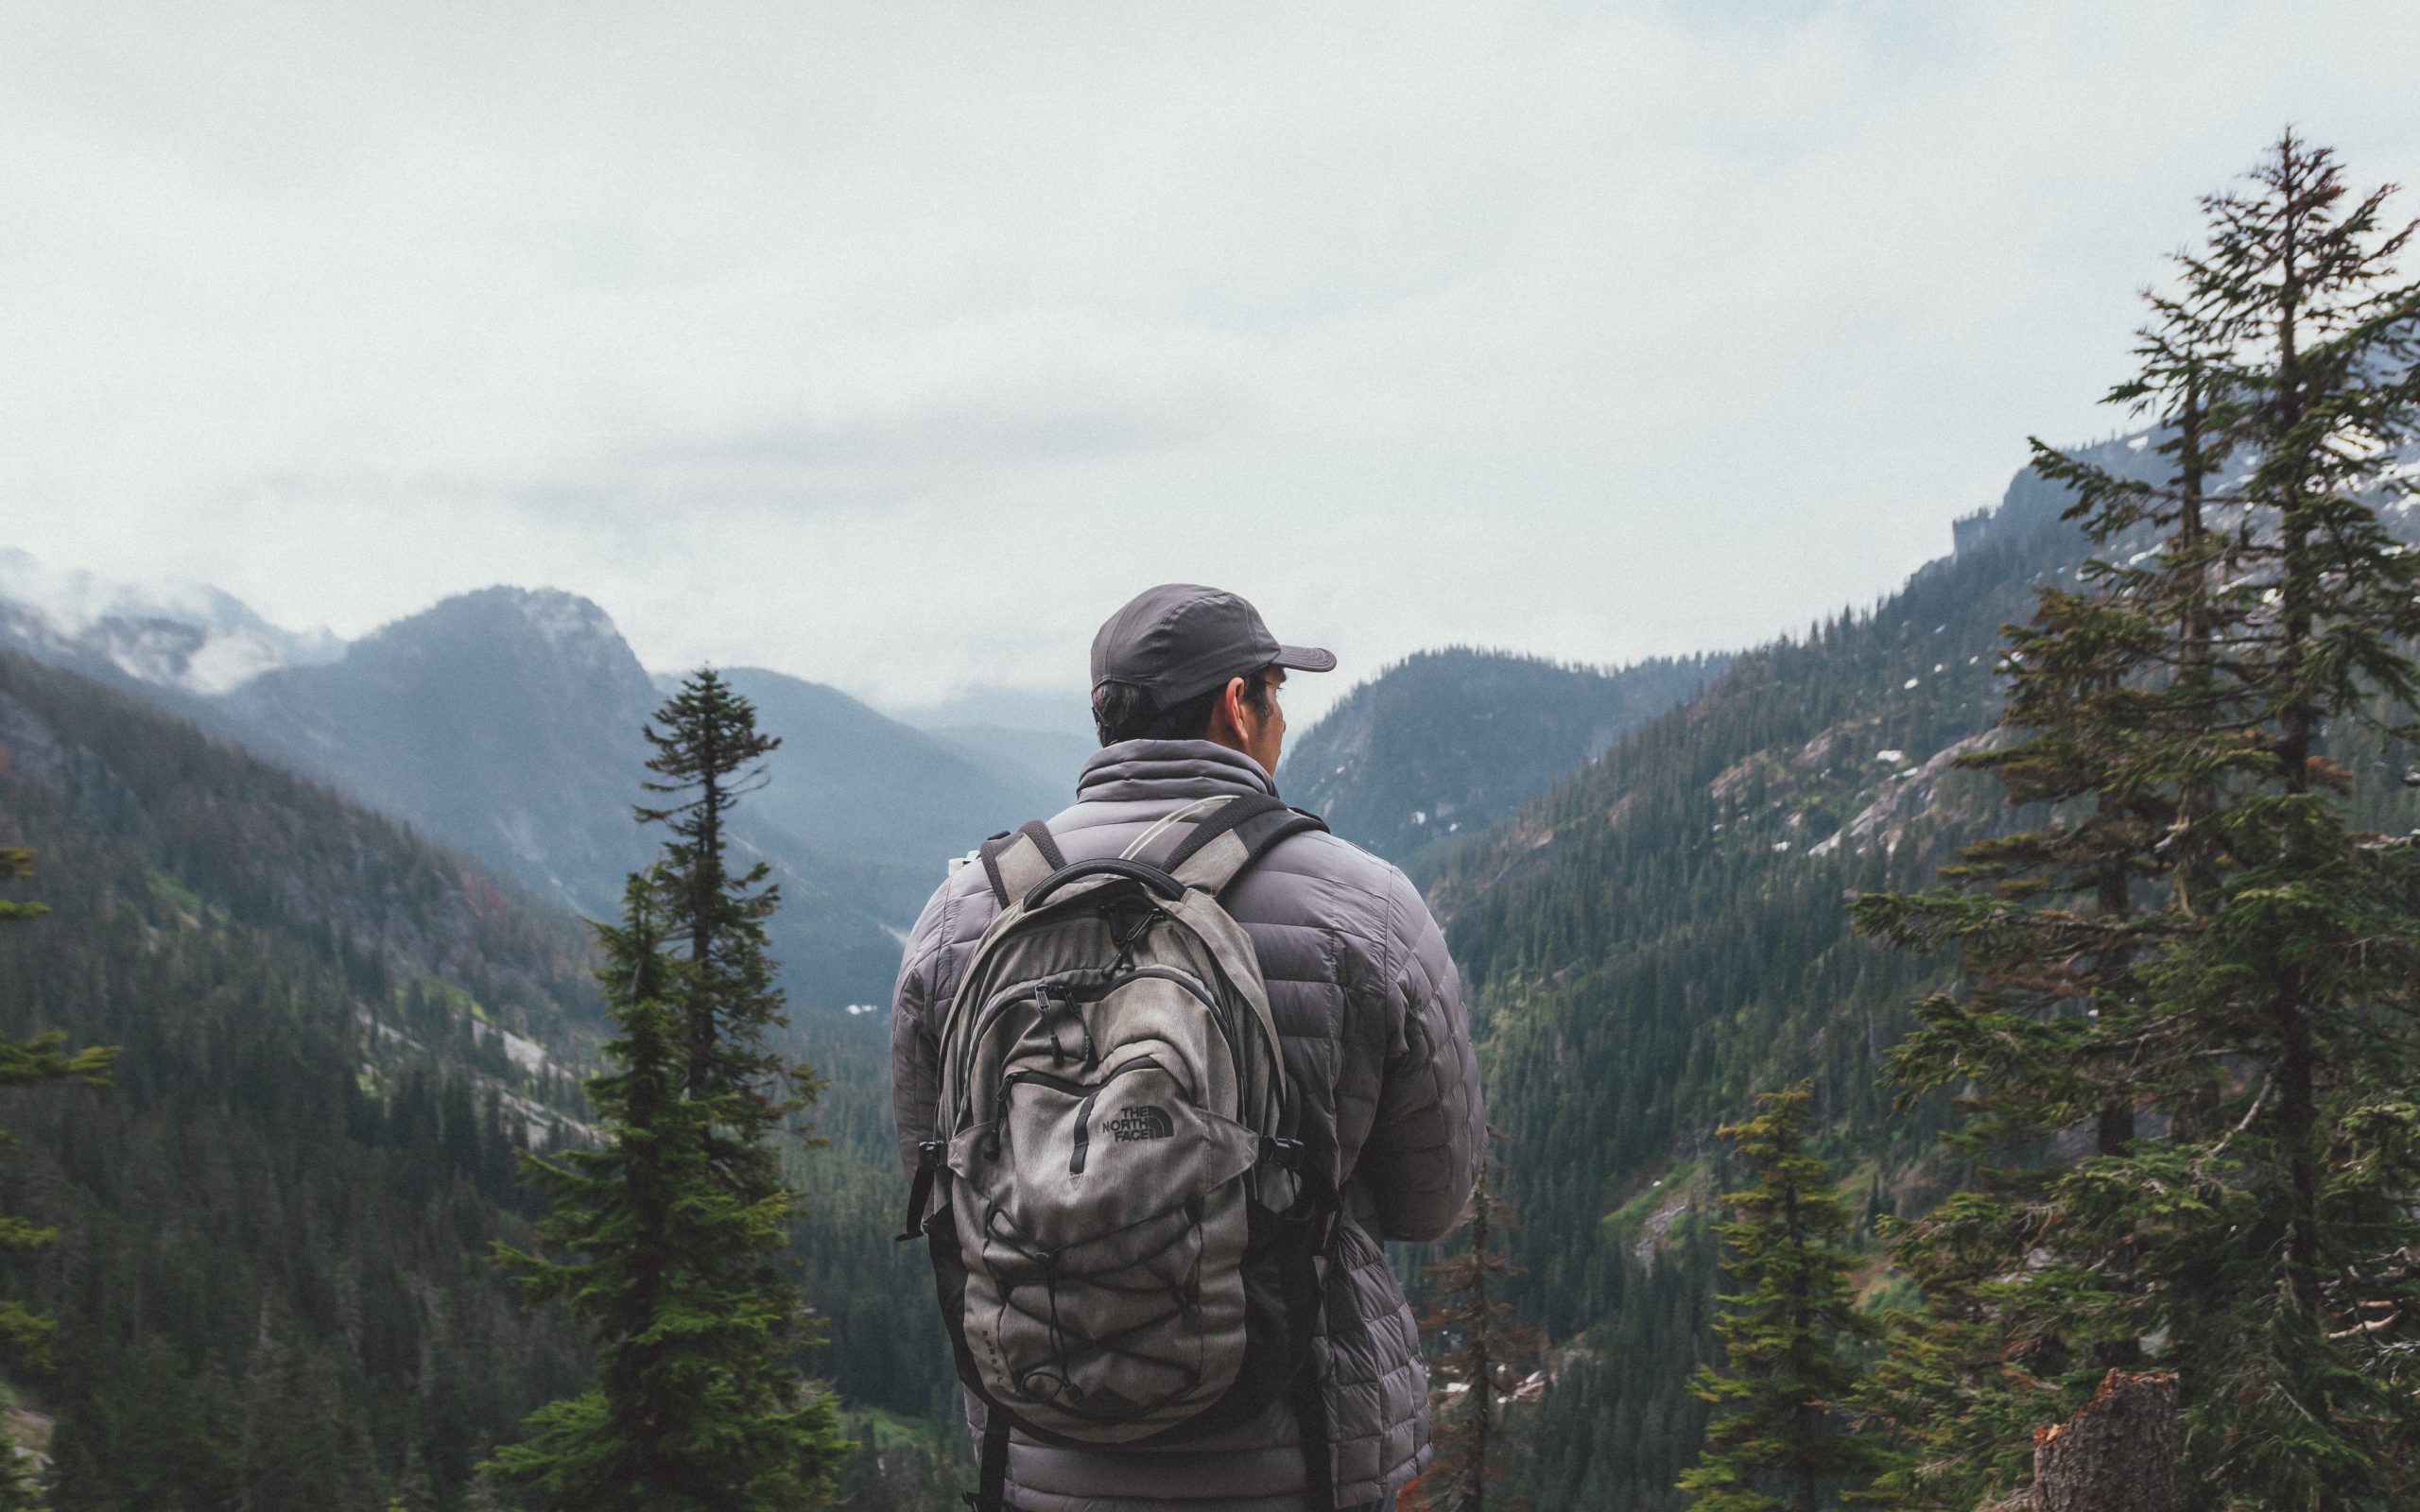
[[226, 663], [565, 618], [526, 1053]]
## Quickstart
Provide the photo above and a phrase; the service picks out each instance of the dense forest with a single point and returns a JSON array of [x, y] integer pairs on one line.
[[270, 1283]]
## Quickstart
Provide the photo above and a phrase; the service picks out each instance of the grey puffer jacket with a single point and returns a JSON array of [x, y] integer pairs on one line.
[[1375, 1039]]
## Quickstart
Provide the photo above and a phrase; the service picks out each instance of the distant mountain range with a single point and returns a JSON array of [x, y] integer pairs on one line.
[[1446, 743], [1049, 734], [507, 722]]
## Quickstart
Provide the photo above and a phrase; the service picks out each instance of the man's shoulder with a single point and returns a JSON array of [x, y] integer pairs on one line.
[[1327, 854], [1327, 877], [957, 910]]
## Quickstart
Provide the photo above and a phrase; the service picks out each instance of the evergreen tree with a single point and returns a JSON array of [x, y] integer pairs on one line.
[[696, 1404], [2198, 934], [678, 1223], [2053, 1028], [25, 1335], [1474, 1377], [1784, 1446], [709, 755]]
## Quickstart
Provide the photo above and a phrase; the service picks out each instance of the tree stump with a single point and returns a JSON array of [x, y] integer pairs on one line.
[[2117, 1454]]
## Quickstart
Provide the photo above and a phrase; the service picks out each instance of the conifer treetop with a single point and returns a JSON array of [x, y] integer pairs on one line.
[[1784, 1442]]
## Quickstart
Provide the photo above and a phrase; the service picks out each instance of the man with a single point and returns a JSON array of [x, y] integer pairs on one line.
[[1186, 683]]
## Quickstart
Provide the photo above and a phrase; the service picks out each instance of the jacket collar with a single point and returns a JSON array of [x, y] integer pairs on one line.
[[1134, 770]]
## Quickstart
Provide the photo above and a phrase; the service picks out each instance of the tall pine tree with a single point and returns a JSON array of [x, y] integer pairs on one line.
[[676, 1226], [709, 755], [2187, 1040], [1785, 1443]]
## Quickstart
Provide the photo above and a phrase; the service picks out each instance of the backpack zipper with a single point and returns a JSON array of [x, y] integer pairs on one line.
[[1091, 1092], [1001, 1002]]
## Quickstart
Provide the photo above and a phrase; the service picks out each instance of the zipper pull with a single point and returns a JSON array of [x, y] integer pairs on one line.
[[1041, 1015]]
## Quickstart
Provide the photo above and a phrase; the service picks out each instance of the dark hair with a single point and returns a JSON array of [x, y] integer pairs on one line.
[[1124, 711]]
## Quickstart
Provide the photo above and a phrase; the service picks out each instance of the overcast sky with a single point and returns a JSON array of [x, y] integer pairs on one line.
[[895, 345]]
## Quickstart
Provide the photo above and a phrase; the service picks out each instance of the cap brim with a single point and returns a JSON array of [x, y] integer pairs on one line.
[[1304, 659]]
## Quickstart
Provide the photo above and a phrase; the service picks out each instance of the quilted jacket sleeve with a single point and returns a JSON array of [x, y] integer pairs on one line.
[[915, 1063], [1430, 1134]]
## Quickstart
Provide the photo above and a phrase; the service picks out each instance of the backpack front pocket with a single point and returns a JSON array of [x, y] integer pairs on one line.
[[1085, 1158]]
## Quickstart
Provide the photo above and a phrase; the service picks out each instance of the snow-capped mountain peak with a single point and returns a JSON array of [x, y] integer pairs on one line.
[[187, 636]]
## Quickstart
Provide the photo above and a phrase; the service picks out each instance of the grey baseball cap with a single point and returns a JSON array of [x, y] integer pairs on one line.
[[1182, 639]]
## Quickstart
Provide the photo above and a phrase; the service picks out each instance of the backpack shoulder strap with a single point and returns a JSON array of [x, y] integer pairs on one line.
[[1210, 843], [1016, 861]]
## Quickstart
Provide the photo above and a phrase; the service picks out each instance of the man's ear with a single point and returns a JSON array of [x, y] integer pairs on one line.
[[1226, 715]]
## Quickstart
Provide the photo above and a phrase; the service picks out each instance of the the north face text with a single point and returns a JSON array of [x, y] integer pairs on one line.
[[1142, 1122]]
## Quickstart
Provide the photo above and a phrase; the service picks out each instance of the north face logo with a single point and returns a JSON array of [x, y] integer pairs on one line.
[[1142, 1122]]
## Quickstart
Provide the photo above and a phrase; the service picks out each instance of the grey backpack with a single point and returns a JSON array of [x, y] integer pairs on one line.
[[1126, 1239]]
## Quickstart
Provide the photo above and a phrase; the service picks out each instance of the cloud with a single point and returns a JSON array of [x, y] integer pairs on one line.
[[874, 461], [896, 346]]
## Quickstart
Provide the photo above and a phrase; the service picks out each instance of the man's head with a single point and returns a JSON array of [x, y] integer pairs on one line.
[[1186, 663]]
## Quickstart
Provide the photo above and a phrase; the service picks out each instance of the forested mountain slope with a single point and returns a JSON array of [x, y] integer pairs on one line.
[[1664, 935], [1446, 743], [506, 722], [271, 1275]]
